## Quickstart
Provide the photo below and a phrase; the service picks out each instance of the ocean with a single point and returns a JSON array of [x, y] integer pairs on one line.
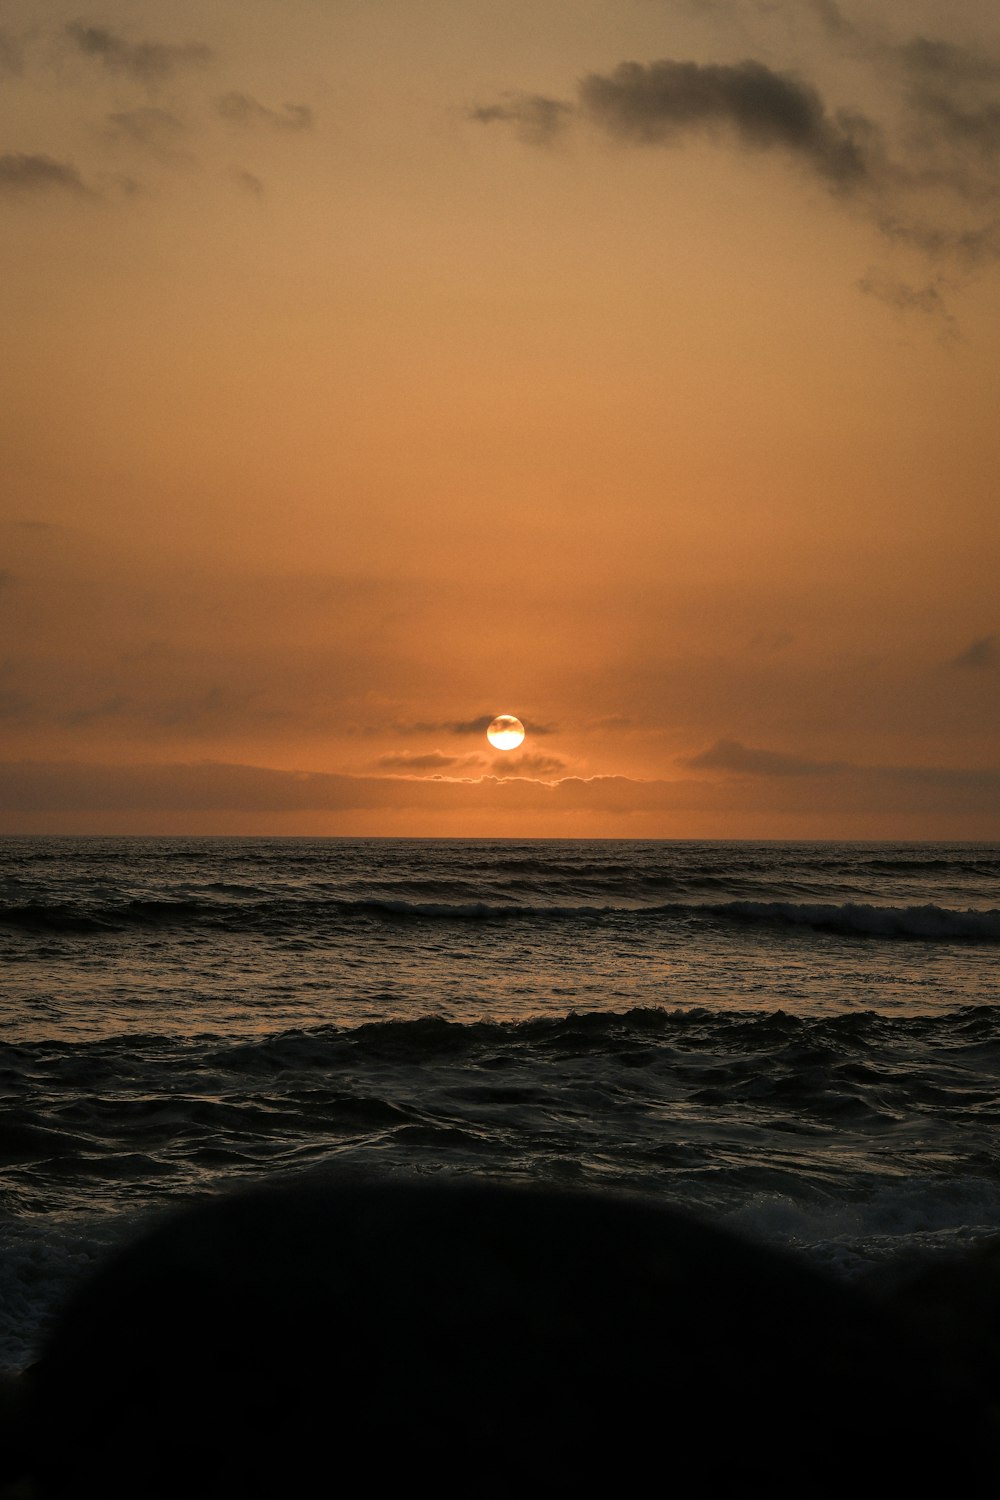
[[798, 1041]]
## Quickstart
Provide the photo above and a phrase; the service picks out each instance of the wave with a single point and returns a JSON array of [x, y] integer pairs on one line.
[[931, 923], [986, 865], [851, 1136], [313, 917], [138, 1059]]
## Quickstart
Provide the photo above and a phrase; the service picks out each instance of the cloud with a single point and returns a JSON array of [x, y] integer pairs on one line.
[[213, 786], [149, 62], [949, 95], [929, 59], [21, 174], [479, 725], [657, 102], [7, 579], [145, 126], [14, 706], [902, 297], [434, 760], [56, 789], [730, 755], [858, 783], [937, 135], [111, 708], [833, 19], [153, 130], [243, 109], [772, 640], [943, 62], [660, 102], [982, 655], [203, 786], [465, 726], [983, 779], [535, 118], [529, 765], [11, 53], [978, 127], [248, 181], [970, 247]]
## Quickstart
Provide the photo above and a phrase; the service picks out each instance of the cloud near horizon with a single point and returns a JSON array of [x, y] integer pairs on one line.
[[410, 762], [478, 725], [733, 758], [54, 789], [730, 755], [548, 767]]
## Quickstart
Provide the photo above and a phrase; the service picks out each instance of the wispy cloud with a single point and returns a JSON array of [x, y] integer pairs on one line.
[[946, 63], [14, 707], [434, 760], [534, 118], [926, 301], [735, 759], [478, 726], [243, 109], [528, 764], [11, 53], [950, 124], [248, 181], [149, 62], [742, 760], [27, 174], [982, 655], [152, 130], [110, 708]]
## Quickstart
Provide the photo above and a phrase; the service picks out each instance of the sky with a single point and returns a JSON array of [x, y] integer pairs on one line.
[[373, 367]]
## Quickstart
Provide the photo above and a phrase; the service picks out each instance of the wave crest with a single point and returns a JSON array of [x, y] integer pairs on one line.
[[933, 923]]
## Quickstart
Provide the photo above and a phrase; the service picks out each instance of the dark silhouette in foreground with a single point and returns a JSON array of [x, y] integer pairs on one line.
[[311, 1338]]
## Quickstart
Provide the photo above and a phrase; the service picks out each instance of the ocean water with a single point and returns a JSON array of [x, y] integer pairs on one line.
[[801, 1041]]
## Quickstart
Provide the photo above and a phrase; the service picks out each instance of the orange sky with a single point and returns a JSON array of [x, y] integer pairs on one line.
[[375, 367]]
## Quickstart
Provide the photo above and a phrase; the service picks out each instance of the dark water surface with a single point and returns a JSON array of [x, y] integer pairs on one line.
[[801, 1040]]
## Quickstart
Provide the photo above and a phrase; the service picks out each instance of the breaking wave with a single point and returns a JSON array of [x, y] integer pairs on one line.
[[929, 923]]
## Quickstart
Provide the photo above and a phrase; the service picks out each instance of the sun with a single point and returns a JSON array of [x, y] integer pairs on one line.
[[506, 732]]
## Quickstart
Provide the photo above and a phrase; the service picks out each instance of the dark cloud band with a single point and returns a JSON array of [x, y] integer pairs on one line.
[[659, 101]]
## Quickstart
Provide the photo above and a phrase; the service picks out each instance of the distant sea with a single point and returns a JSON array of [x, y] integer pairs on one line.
[[800, 1041]]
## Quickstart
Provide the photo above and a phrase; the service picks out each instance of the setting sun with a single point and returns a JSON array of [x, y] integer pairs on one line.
[[506, 732]]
